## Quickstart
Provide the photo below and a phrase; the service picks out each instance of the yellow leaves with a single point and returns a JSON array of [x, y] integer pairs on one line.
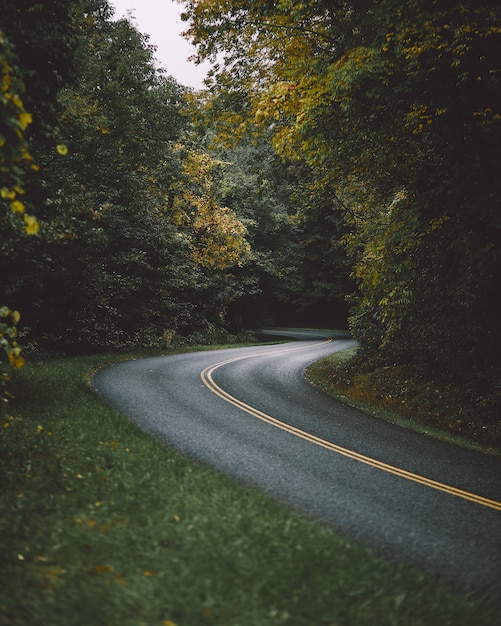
[[281, 99], [25, 119], [14, 121], [92, 523], [84, 521], [41, 429], [215, 234], [5, 312], [16, 101], [220, 242], [231, 127], [8, 331], [420, 116], [296, 105], [99, 570], [438, 223], [486, 116], [7, 194], [62, 149], [17, 206], [50, 576], [356, 58], [53, 573], [6, 78], [32, 226], [110, 574]]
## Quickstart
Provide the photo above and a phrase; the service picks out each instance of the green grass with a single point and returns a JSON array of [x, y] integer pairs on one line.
[[102, 525]]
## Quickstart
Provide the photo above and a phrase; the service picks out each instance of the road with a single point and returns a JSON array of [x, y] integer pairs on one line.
[[250, 413]]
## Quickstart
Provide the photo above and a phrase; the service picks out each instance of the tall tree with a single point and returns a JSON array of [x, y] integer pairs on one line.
[[258, 186], [112, 265], [395, 107]]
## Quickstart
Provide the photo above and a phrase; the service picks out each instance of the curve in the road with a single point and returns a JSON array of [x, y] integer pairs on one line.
[[321, 456], [208, 380]]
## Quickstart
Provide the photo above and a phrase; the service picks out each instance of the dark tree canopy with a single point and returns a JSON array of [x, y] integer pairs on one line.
[[395, 108]]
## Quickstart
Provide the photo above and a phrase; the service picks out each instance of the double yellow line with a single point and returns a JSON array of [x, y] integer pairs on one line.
[[208, 380]]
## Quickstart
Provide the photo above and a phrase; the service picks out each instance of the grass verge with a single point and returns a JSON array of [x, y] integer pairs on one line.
[[102, 525]]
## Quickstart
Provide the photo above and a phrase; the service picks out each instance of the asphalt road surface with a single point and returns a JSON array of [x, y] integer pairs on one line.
[[250, 413]]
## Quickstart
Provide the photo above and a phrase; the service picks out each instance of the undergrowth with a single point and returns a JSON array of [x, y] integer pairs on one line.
[[399, 395]]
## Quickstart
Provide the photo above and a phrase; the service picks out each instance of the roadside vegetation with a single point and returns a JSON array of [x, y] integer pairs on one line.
[[102, 524], [135, 210], [394, 394]]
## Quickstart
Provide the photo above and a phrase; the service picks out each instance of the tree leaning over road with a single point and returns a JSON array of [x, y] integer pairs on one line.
[[395, 108]]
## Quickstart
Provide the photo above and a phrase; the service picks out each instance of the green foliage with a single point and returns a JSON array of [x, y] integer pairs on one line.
[[14, 154], [113, 265], [394, 393], [395, 109], [215, 234], [160, 208], [44, 40], [260, 188], [10, 352]]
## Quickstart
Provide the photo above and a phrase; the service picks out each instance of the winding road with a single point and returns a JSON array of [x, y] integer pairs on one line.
[[250, 413]]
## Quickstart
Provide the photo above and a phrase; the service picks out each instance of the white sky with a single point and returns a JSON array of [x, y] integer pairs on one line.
[[161, 20]]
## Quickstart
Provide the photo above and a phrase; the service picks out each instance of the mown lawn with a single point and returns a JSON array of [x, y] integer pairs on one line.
[[102, 525]]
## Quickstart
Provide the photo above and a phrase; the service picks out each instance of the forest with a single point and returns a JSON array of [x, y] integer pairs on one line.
[[340, 169]]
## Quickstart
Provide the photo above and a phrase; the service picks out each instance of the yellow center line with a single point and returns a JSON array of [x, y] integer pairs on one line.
[[208, 380]]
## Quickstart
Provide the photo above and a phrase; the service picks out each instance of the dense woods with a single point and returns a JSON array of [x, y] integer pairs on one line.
[[342, 167]]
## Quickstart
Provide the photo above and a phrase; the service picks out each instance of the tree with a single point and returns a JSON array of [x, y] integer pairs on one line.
[[14, 157], [113, 264], [258, 187], [215, 233], [44, 41], [394, 107]]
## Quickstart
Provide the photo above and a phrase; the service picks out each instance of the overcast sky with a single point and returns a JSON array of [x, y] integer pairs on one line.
[[160, 19]]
